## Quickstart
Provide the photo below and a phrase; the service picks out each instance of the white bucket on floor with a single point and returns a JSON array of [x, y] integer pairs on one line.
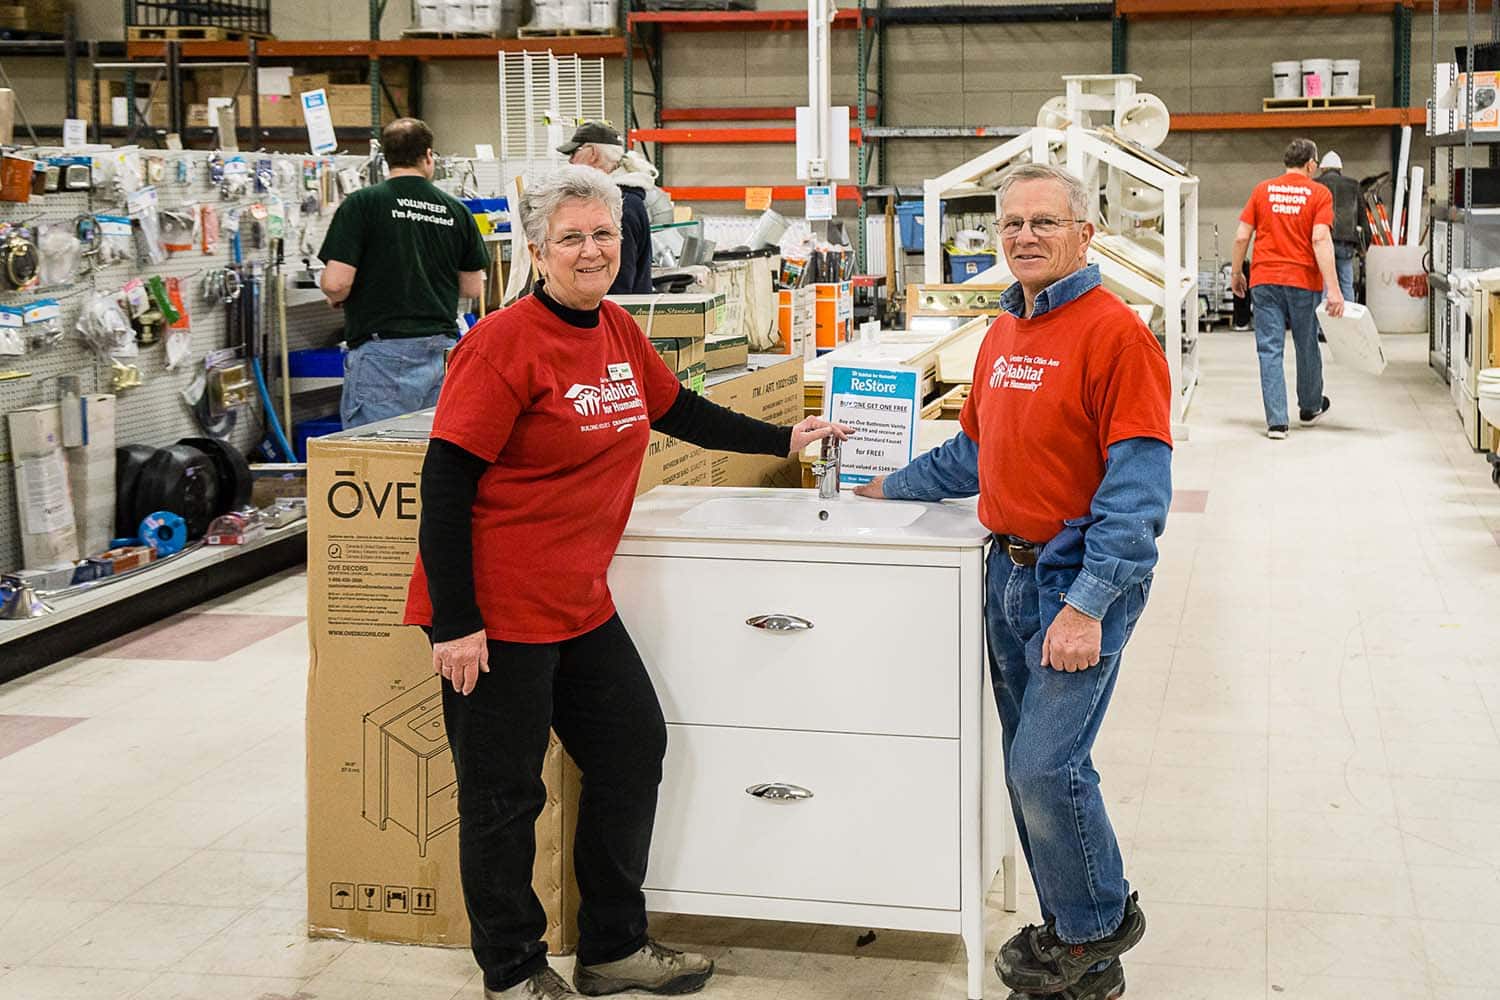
[[1396, 288], [1286, 79], [1317, 77], [1345, 77]]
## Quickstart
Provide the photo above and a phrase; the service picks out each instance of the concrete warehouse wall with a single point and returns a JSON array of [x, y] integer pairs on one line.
[[978, 74]]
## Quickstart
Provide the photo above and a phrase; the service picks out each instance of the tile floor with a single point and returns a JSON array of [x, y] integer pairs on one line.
[[1303, 758]]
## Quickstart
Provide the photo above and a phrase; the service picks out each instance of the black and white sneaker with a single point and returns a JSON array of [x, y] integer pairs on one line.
[[1276, 433], [1308, 417]]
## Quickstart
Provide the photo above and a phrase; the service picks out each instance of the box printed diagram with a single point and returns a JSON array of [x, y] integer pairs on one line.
[[408, 770]]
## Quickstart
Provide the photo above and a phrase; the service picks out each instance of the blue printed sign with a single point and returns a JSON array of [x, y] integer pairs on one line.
[[882, 405]]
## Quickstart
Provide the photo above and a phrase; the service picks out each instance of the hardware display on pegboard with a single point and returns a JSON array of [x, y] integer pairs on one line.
[[150, 303]]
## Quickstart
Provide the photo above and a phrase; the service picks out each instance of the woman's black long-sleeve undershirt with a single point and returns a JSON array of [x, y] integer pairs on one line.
[[451, 474]]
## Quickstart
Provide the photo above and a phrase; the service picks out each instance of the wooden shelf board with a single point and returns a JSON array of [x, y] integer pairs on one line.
[[395, 48], [780, 192], [719, 136], [1298, 119]]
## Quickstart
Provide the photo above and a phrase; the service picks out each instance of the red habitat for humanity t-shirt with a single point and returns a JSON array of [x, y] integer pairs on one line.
[[564, 414], [1050, 396], [1283, 211]]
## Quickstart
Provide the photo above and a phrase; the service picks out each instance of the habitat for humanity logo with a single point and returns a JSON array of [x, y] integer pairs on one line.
[[585, 399]]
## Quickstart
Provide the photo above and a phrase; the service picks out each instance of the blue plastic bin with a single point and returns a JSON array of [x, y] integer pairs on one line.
[[315, 427], [962, 267], [911, 216], [316, 362]]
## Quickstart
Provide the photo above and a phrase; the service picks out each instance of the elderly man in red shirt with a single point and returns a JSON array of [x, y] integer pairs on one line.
[[1067, 440]]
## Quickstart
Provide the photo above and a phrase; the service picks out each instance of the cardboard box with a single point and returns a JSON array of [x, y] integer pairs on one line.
[[796, 320], [108, 91], [44, 501], [694, 376], [680, 353], [834, 312], [728, 351], [1486, 116], [7, 116], [773, 394], [680, 316], [275, 112], [303, 82], [382, 857], [91, 474]]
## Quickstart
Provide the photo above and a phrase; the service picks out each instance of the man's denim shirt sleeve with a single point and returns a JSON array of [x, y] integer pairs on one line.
[[949, 471], [1127, 516]]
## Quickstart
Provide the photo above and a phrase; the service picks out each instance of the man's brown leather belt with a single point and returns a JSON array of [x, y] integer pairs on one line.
[[1021, 552]]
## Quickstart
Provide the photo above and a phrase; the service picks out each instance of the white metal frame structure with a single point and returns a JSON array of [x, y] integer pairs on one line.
[[1168, 282], [542, 98]]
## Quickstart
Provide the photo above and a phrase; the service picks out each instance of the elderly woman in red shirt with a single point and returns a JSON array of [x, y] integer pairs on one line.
[[536, 451]]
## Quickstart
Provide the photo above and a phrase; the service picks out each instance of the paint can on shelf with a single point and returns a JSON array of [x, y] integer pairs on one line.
[[1345, 77], [1286, 79], [1317, 77]]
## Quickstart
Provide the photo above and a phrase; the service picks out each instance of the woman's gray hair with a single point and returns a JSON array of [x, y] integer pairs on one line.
[[540, 201], [1078, 195]]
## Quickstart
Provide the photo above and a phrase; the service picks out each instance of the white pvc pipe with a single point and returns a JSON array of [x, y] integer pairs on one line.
[[1414, 207], [1400, 202]]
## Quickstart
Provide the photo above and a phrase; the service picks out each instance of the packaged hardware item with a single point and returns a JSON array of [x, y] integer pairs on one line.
[[44, 327]]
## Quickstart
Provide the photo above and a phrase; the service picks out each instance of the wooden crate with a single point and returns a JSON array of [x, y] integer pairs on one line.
[[1317, 103], [188, 33], [525, 32]]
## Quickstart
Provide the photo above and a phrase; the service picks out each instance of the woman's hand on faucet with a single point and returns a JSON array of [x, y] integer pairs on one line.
[[460, 661], [816, 429]]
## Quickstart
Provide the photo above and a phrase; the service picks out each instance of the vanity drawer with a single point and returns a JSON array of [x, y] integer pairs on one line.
[[881, 656], [881, 826]]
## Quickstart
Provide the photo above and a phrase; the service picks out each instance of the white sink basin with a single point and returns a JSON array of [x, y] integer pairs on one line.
[[803, 514], [709, 513]]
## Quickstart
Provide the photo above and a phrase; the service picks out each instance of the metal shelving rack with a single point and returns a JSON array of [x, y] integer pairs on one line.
[[1442, 149], [374, 49]]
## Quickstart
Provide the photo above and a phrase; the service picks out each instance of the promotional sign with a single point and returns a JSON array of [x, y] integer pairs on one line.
[[319, 119], [882, 405], [820, 202]]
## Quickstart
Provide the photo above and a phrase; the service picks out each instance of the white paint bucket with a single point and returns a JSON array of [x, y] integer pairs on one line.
[[1345, 77], [1286, 79], [1317, 77], [575, 13], [1396, 288]]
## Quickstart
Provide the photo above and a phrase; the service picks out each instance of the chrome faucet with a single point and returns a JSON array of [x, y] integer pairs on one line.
[[828, 469]]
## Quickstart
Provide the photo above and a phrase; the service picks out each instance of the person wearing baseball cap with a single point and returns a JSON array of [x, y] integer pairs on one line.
[[1350, 231], [595, 144]]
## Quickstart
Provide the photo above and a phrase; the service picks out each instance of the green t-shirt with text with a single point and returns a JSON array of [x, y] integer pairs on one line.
[[408, 240]]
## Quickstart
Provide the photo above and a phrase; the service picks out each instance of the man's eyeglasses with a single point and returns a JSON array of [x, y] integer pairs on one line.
[[603, 239], [1041, 225]]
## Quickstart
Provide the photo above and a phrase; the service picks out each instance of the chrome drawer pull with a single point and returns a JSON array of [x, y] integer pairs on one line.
[[778, 791], [779, 623]]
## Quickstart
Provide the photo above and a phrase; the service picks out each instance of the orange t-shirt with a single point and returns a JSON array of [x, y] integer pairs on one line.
[[1050, 396], [1283, 211]]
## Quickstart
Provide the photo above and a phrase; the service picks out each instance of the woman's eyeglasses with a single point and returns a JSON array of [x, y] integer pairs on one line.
[[603, 239]]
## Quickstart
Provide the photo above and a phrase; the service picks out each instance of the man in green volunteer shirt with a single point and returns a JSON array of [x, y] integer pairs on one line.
[[399, 255]]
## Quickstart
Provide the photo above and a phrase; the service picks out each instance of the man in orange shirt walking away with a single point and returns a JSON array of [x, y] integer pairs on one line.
[[1067, 439], [1291, 218]]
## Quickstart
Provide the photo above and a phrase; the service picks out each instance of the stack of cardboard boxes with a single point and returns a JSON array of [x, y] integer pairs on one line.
[[382, 800], [678, 327], [42, 16]]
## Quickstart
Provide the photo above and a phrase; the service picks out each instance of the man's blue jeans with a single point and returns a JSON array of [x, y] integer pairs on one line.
[[1278, 307], [1343, 264], [385, 378], [1050, 720]]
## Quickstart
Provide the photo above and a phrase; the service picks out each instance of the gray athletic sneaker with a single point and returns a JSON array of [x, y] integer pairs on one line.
[[653, 969], [544, 985]]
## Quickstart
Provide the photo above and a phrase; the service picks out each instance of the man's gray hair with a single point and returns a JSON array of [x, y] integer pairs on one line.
[[1299, 153], [1078, 195], [608, 153], [540, 201]]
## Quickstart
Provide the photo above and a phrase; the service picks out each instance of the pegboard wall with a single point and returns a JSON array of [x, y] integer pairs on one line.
[[156, 413]]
